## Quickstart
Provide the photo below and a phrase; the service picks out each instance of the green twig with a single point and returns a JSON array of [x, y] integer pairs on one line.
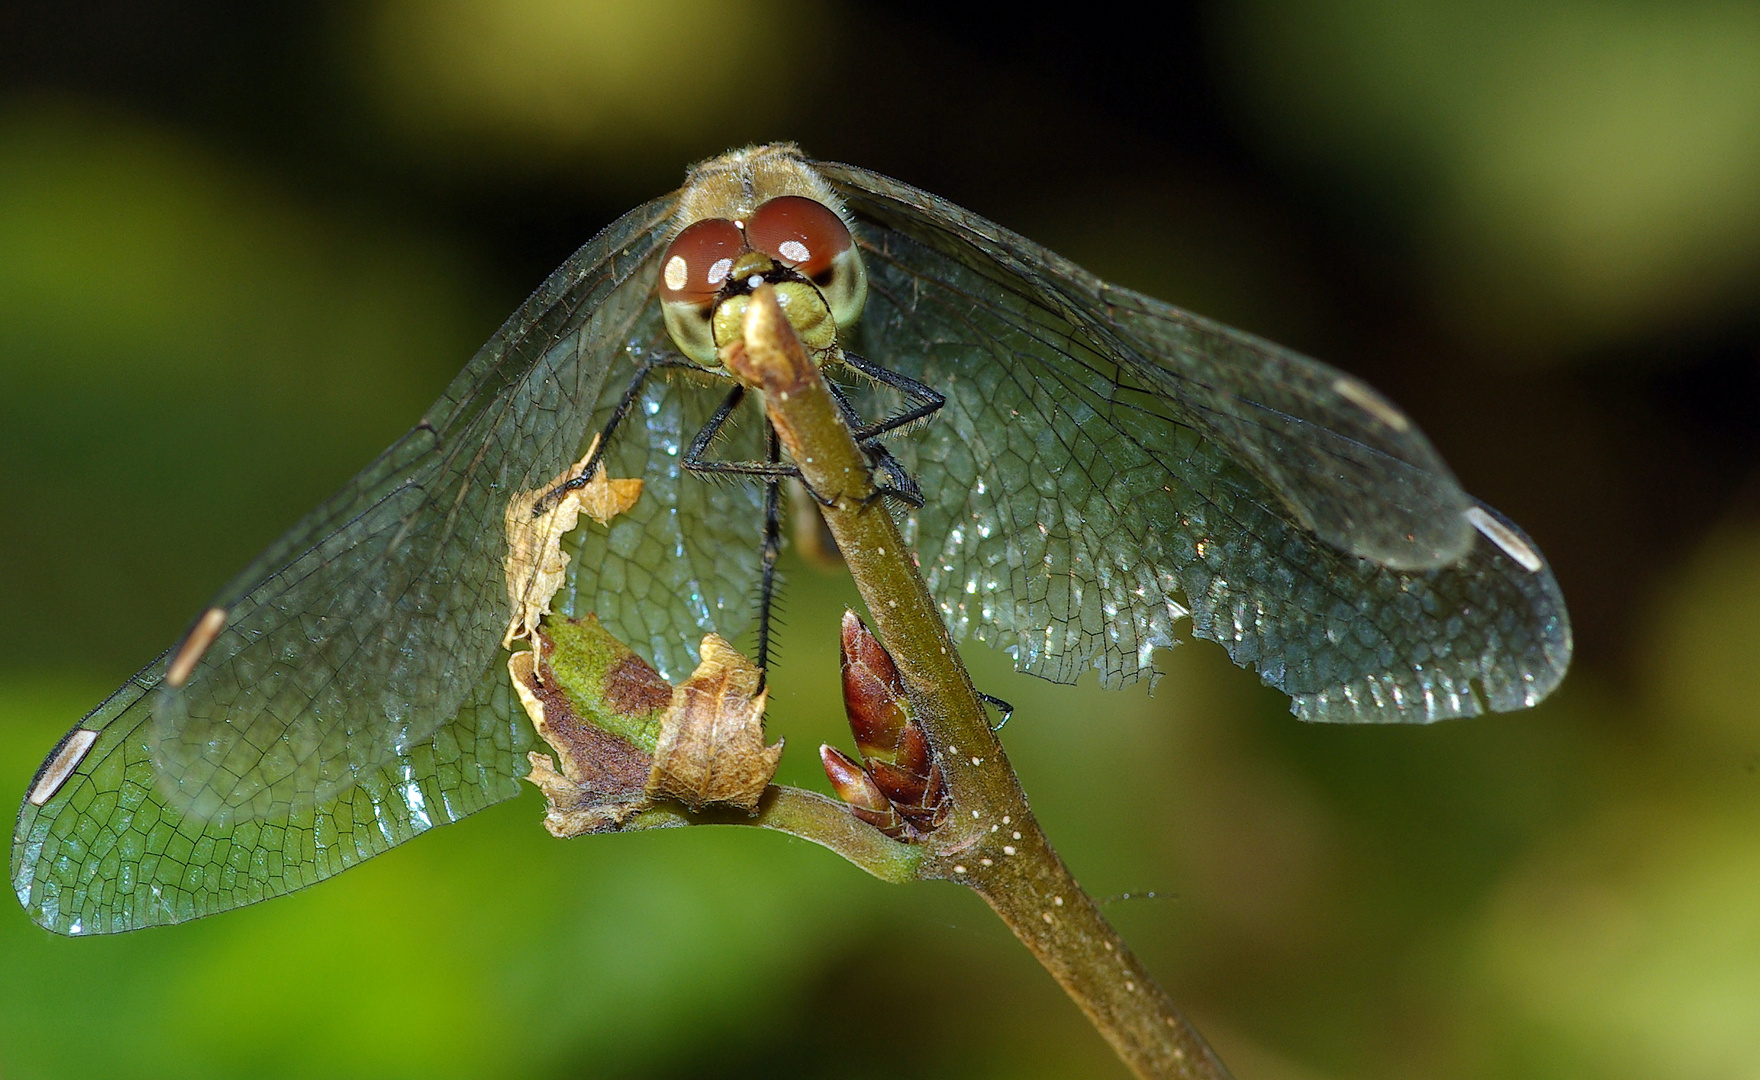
[[809, 816]]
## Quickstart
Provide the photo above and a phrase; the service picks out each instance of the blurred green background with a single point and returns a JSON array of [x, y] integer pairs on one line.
[[243, 246]]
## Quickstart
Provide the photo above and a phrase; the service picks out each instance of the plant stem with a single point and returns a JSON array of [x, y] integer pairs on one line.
[[991, 843], [809, 816], [1034, 894]]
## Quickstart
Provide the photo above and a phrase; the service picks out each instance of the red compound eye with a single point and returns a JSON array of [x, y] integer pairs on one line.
[[800, 233], [698, 261]]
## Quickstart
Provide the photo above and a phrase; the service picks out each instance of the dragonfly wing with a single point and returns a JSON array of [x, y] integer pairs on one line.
[[110, 852], [1106, 465], [353, 651], [1349, 466], [684, 560]]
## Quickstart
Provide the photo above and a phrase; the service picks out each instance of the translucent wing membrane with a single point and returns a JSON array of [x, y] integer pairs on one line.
[[355, 645], [1105, 466], [1346, 463], [684, 560], [111, 852], [392, 599]]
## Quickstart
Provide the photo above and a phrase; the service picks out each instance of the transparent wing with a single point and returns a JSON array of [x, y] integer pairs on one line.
[[1107, 464], [110, 852], [348, 685], [684, 560]]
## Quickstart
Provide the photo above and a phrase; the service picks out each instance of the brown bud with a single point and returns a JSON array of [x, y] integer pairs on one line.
[[849, 781], [931, 811], [898, 765], [913, 750], [899, 786], [856, 788], [873, 692], [866, 801]]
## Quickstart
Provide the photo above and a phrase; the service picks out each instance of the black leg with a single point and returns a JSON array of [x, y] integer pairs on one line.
[[899, 482], [624, 404], [696, 462], [1001, 706], [772, 547], [693, 456], [928, 399]]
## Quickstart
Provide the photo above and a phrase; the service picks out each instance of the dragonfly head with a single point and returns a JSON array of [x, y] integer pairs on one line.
[[796, 243]]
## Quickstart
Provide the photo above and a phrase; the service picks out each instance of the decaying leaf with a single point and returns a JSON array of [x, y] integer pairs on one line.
[[625, 738], [603, 778], [711, 746], [535, 559]]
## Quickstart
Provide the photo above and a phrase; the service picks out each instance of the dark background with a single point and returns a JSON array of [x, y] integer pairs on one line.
[[242, 247]]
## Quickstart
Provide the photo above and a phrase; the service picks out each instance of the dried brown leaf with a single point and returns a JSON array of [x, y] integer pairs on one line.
[[711, 747]]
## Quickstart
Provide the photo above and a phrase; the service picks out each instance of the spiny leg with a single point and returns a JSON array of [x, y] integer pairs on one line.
[[929, 400], [772, 547], [773, 471], [899, 481], [696, 460], [1000, 705]]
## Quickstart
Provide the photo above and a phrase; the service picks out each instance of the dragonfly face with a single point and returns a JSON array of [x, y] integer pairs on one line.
[[767, 218], [1105, 469]]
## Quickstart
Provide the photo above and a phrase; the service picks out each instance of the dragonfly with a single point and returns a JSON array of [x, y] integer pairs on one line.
[[1091, 471]]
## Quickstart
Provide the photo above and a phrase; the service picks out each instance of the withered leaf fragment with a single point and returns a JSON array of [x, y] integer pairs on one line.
[[711, 747], [603, 777], [536, 562]]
